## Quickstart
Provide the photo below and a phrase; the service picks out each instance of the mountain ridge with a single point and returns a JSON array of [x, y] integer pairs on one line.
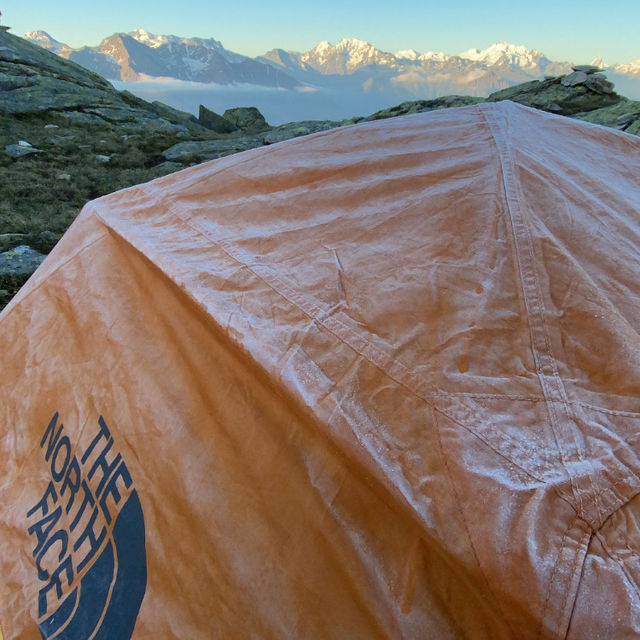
[[352, 75]]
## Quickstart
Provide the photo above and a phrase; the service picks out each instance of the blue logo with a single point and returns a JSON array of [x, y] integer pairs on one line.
[[89, 540]]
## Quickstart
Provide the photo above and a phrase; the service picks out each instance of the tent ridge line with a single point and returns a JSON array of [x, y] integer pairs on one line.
[[562, 418], [24, 294]]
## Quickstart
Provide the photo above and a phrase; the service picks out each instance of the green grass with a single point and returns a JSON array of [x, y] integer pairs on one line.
[[38, 203]]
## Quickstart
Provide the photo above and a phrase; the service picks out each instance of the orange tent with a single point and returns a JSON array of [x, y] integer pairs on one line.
[[379, 382]]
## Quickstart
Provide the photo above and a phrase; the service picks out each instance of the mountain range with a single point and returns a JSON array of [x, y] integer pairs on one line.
[[352, 73]]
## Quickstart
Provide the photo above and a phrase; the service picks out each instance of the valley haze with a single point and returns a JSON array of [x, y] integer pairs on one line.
[[329, 81]]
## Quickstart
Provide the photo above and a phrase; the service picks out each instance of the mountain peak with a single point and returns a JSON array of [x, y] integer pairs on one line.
[[151, 39], [505, 52], [40, 36], [346, 56], [44, 40], [407, 54]]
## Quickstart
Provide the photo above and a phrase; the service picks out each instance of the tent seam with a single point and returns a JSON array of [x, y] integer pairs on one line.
[[552, 385]]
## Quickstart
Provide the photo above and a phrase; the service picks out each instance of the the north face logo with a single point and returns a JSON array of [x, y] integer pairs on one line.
[[88, 540]]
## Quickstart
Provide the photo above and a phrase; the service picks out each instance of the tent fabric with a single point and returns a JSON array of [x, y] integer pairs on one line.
[[379, 382]]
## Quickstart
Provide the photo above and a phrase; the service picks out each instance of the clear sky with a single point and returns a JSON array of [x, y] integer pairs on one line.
[[561, 29]]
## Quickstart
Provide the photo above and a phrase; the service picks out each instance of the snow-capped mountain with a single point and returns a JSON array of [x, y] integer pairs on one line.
[[141, 55], [506, 53], [44, 40], [410, 74], [350, 77], [349, 55], [630, 68]]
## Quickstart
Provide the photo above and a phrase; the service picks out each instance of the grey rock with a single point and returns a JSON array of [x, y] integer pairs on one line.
[[208, 149], [81, 118], [215, 122], [114, 114], [419, 106], [574, 79], [19, 151], [162, 125], [7, 54], [10, 82], [21, 260], [619, 115], [36, 81], [186, 152], [554, 96], [598, 83], [173, 115], [296, 129], [626, 120], [586, 68], [247, 119]]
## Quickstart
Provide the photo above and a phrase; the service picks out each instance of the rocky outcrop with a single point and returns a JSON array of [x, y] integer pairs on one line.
[[624, 116], [583, 90], [214, 121], [36, 81], [247, 119], [201, 151], [420, 106]]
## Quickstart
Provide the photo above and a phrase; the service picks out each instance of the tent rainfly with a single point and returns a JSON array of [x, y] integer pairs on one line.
[[379, 382]]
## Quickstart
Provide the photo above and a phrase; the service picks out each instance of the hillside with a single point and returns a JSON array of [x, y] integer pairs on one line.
[[67, 136]]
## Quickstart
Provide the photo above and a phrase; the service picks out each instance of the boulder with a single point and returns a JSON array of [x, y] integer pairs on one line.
[[247, 119], [598, 83], [22, 260], [574, 79], [20, 150], [586, 68], [215, 122]]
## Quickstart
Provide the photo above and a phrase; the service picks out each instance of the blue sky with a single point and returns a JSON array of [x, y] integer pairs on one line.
[[562, 29]]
